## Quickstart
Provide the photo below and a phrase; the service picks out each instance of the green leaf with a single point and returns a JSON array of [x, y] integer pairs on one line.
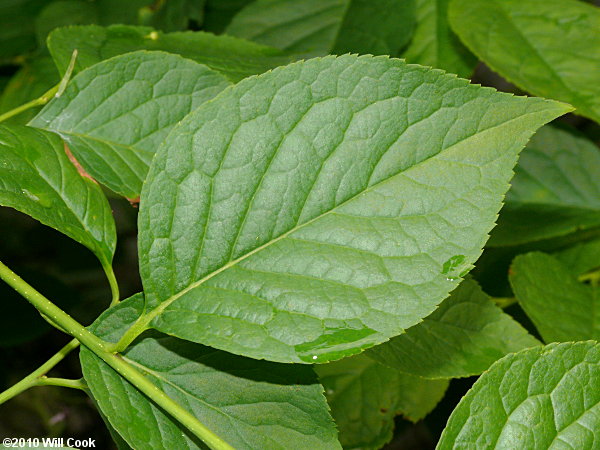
[[550, 48], [324, 207], [555, 191], [251, 404], [539, 398], [37, 178], [365, 396], [434, 44], [234, 58], [463, 337], [562, 308], [582, 257], [115, 114], [172, 15], [37, 76], [320, 27], [218, 13], [17, 29], [63, 13]]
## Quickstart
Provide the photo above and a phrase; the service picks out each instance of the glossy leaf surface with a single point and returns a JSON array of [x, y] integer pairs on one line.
[[561, 307], [251, 404], [434, 44], [234, 58], [321, 27], [37, 178], [539, 398], [115, 114], [550, 48], [555, 191], [326, 206], [365, 396], [463, 337]]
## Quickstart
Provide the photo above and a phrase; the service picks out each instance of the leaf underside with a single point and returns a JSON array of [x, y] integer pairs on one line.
[[326, 206]]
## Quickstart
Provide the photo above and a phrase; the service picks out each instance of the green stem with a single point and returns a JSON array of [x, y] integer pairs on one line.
[[504, 302], [33, 378], [31, 104], [99, 347], [62, 382], [112, 281]]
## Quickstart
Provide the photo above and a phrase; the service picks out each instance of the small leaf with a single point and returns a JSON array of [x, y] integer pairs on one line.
[[562, 308], [234, 58], [37, 178], [320, 27], [365, 396], [555, 191], [434, 44], [33, 80], [115, 114], [308, 213], [251, 404], [550, 48], [463, 337], [539, 398]]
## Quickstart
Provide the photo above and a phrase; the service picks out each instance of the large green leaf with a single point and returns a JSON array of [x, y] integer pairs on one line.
[[365, 396], [37, 178], [326, 206], [234, 58], [540, 398], [562, 308], [555, 191], [114, 115], [251, 404], [320, 27], [547, 47], [463, 337], [37, 76], [434, 44]]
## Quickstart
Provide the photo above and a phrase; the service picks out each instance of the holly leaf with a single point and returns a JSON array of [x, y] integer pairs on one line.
[[320, 27], [463, 337], [541, 397], [234, 58], [37, 178], [114, 115], [324, 207], [251, 404], [365, 396], [550, 48]]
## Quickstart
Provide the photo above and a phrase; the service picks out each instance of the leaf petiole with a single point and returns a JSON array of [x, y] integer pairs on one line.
[[100, 349], [62, 382]]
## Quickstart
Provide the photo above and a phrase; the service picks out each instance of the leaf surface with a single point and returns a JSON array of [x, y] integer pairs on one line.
[[555, 191], [319, 27], [115, 114], [234, 58], [251, 404], [365, 396], [463, 337], [582, 257], [561, 307], [326, 206], [550, 48], [37, 178], [434, 44], [539, 398], [17, 29]]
